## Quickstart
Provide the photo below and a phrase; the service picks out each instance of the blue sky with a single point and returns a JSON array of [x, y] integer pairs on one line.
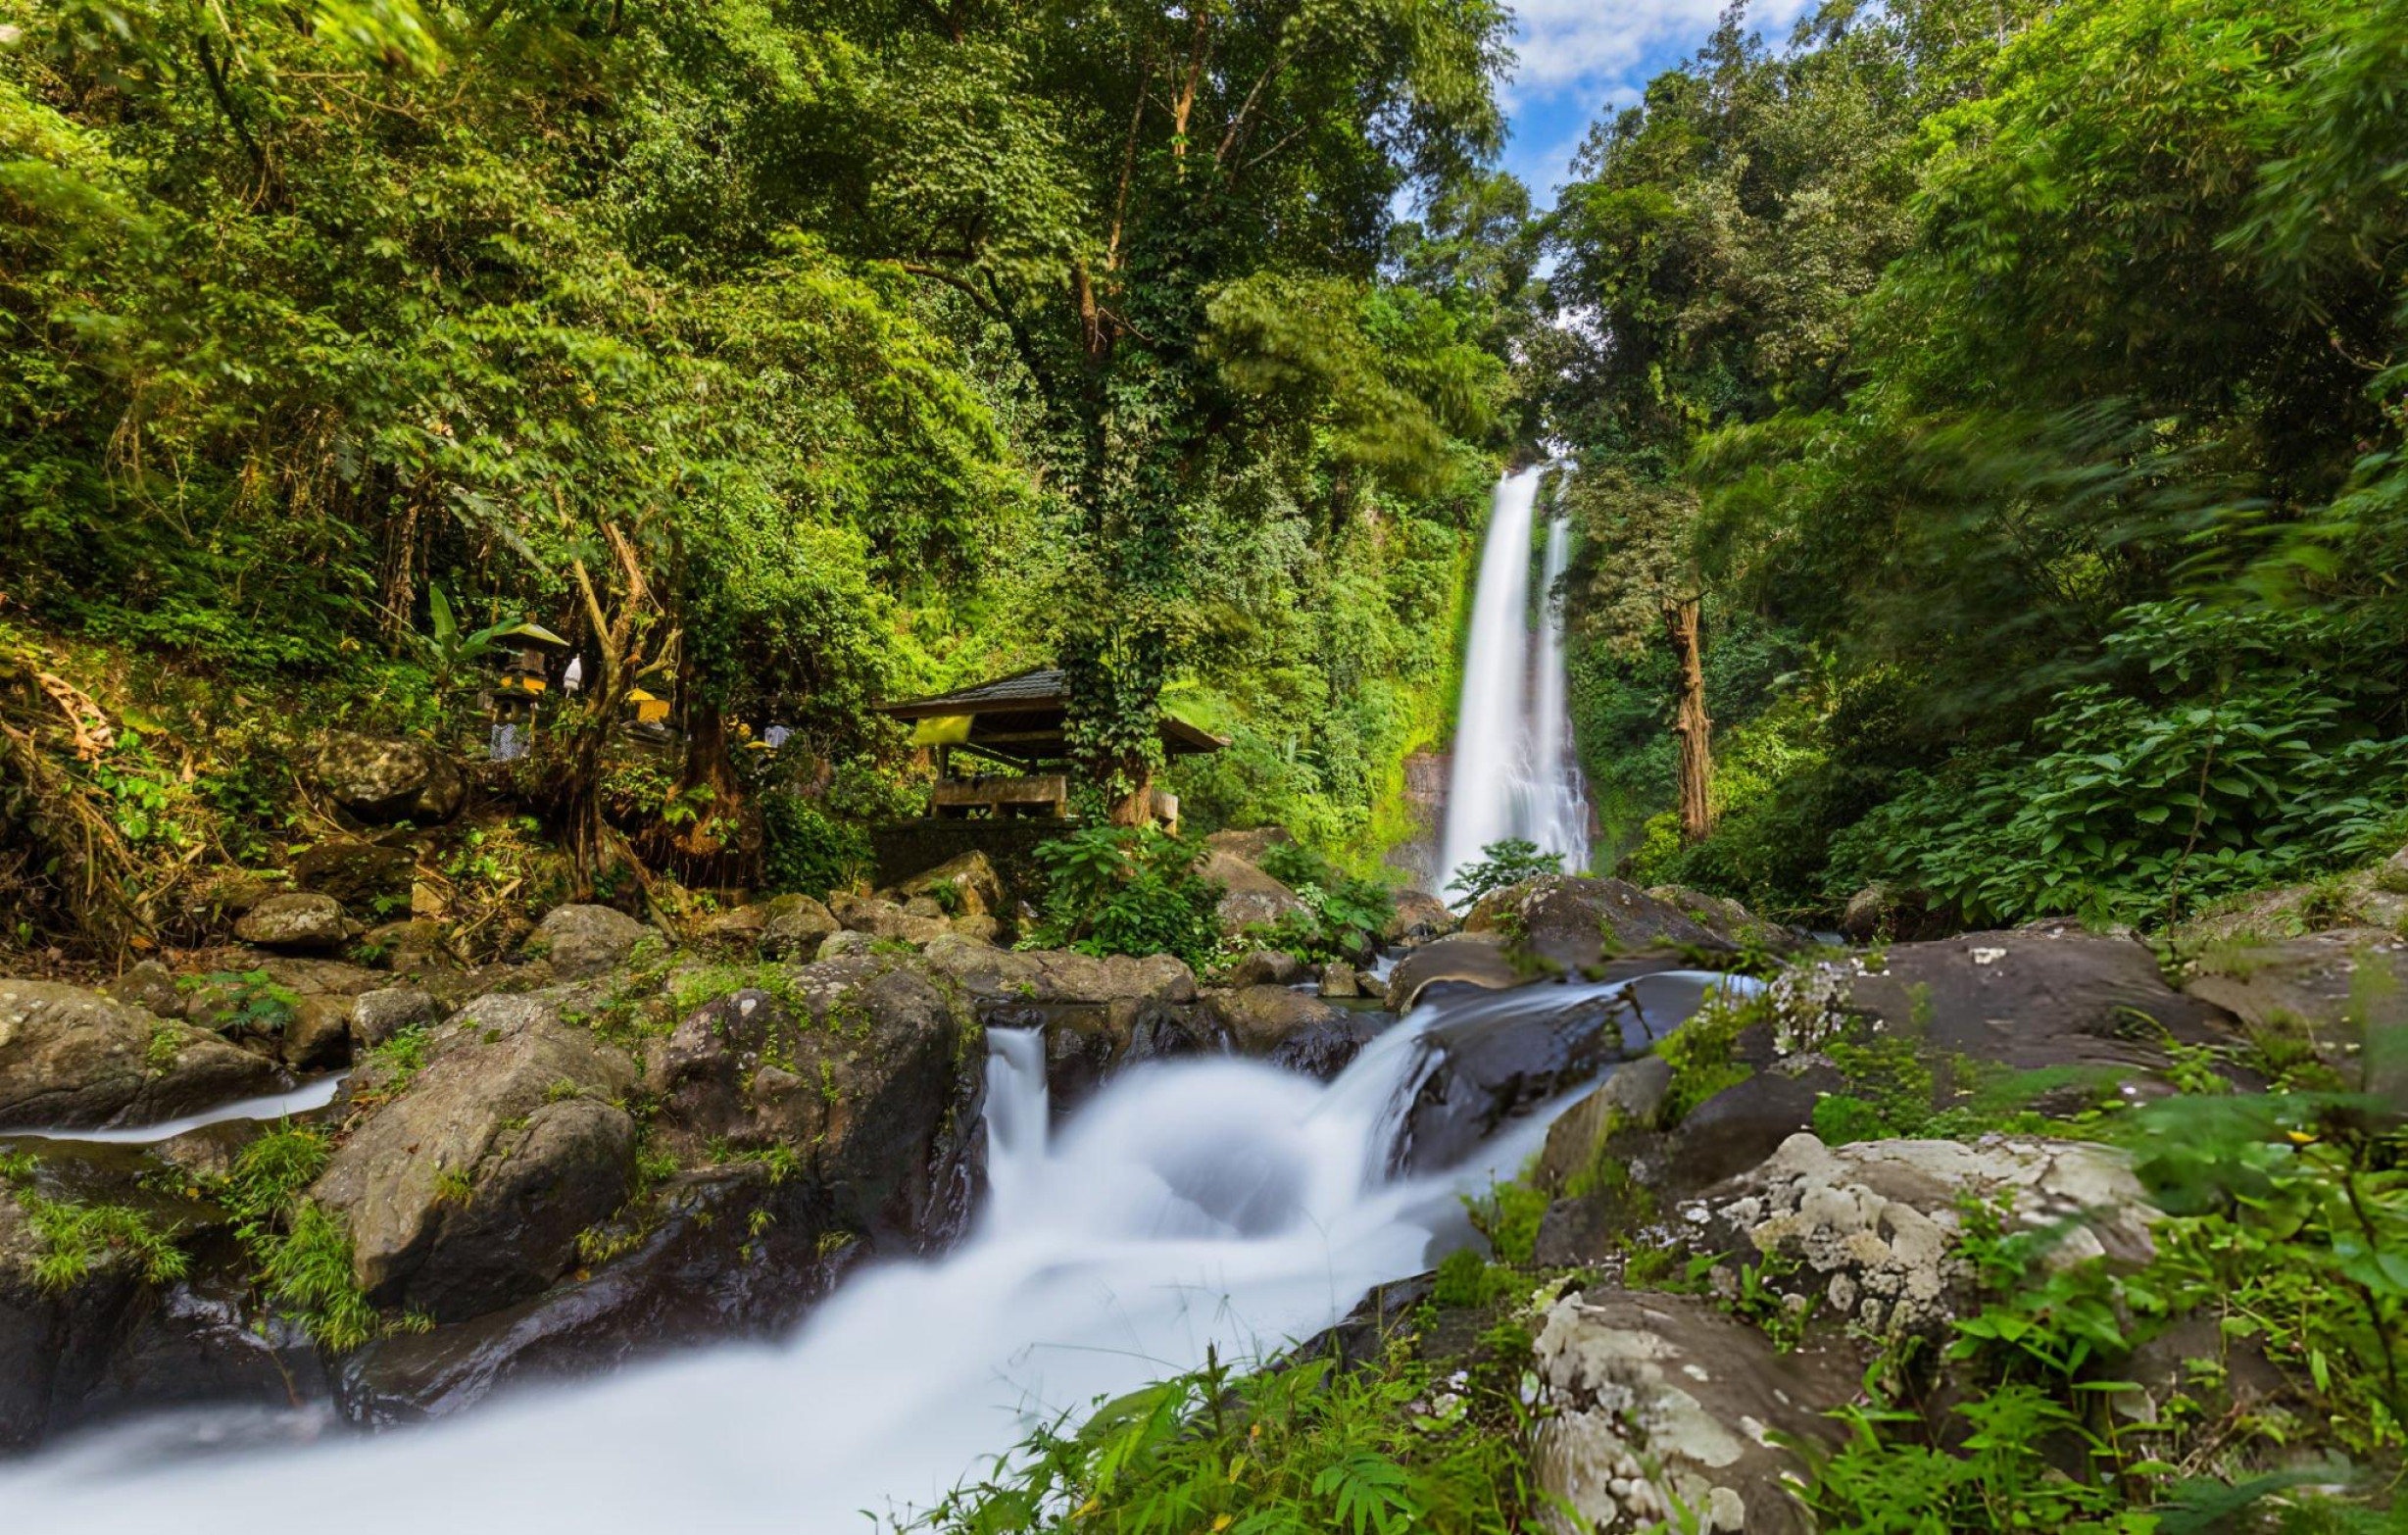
[[1580, 58]]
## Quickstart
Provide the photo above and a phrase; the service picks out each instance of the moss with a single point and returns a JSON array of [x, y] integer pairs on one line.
[[1702, 1053]]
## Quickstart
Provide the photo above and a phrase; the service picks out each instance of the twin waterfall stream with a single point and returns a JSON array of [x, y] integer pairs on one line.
[[1207, 1203], [1513, 772]]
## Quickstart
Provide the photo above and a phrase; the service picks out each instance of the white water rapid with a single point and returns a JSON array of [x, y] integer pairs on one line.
[[1201, 1202], [1513, 772]]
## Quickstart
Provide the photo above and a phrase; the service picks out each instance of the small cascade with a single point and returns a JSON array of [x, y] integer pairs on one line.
[[1514, 773]]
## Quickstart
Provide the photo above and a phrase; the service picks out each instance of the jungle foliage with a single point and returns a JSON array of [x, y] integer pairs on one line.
[[2028, 381], [779, 358]]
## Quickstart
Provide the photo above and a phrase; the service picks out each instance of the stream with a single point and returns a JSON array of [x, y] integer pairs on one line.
[[1203, 1203]]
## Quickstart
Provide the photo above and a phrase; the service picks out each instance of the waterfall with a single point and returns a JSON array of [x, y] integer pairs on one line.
[[1513, 772], [1210, 1203]]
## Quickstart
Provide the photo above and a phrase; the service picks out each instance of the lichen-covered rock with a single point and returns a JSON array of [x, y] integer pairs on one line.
[[1872, 1228], [299, 922], [72, 1058], [1663, 1413], [1727, 919], [382, 781], [467, 1190], [1572, 920], [1061, 974], [586, 940]]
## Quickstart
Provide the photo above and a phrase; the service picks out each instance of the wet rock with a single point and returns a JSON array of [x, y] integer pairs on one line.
[[679, 1282], [858, 1070], [1743, 1125], [1574, 920], [586, 940], [1872, 1228], [367, 875], [1324, 1047], [298, 921], [1099, 1014], [1633, 1099], [1269, 967], [1476, 959], [383, 781], [378, 1016], [1498, 1058], [1260, 1020], [72, 1058], [975, 889], [1419, 918], [468, 1190], [1662, 1409], [1338, 980]]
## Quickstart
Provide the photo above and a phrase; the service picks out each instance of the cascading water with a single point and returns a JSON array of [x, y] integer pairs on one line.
[[1198, 1204], [1513, 772]]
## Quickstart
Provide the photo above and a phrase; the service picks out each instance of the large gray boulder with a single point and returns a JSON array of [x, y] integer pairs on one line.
[[2341, 996], [298, 922], [857, 1067], [1476, 959], [466, 1191], [1249, 898], [586, 940], [1661, 1411], [2035, 998], [1572, 920], [1098, 1014], [72, 1058], [382, 781]]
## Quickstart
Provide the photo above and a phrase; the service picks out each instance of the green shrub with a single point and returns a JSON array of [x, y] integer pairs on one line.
[[1128, 890], [1500, 866], [1341, 915], [2236, 764], [807, 851]]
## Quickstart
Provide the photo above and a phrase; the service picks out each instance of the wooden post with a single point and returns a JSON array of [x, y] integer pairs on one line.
[[1690, 722]]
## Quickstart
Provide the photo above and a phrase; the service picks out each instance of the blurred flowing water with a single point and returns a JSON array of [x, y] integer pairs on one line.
[[1203, 1203]]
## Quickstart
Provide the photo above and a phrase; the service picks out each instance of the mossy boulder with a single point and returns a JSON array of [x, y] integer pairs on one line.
[[72, 1058]]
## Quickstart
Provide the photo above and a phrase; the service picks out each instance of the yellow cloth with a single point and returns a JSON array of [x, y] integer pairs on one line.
[[943, 730]]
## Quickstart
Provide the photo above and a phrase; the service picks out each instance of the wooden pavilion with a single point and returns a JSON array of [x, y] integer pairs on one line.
[[1018, 722]]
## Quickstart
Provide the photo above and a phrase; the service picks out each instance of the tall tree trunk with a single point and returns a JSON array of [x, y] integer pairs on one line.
[[1690, 722], [709, 764]]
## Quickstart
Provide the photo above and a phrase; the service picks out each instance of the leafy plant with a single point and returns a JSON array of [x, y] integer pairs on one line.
[[242, 1001], [1500, 866], [1341, 915], [1128, 890]]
